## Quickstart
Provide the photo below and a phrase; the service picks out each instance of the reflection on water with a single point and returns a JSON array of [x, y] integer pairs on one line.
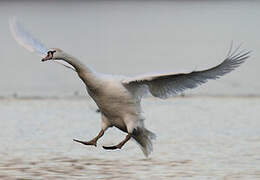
[[198, 138]]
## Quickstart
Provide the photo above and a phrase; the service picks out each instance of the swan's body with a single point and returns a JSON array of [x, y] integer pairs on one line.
[[119, 98]]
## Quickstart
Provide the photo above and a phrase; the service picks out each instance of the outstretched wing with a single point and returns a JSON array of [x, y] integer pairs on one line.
[[25, 39], [166, 85]]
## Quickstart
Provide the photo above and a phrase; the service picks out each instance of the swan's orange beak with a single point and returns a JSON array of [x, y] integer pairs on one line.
[[48, 57]]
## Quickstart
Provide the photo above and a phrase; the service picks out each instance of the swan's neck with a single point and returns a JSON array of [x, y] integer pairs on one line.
[[88, 76], [79, 66]]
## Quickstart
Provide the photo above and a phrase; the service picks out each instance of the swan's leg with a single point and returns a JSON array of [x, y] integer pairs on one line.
[[131, 124], [104, 126], [120, 145], [93, 141]]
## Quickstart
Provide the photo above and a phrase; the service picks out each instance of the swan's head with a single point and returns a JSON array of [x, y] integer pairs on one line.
[[53, 54]]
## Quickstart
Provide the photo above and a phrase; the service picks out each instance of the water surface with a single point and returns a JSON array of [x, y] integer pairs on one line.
[[197, 138]]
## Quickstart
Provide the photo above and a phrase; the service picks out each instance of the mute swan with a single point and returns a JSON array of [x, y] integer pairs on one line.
[[118, 98]]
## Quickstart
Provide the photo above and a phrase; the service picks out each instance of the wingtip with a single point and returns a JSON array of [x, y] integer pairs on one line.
[[237, 53], [11, 19], [11, 22]]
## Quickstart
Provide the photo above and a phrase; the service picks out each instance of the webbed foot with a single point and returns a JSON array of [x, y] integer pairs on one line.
[[111, 147], [91, 143]]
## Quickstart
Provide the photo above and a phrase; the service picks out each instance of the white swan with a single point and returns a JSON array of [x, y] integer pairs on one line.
[[118, 98]]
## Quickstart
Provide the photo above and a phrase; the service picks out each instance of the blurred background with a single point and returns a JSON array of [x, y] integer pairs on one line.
[[129, 38]]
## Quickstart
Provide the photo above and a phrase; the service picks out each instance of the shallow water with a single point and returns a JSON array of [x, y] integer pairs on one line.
[[197, 138]]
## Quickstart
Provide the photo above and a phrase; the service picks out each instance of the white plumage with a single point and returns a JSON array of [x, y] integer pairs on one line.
[[25, 39], [119, 98]]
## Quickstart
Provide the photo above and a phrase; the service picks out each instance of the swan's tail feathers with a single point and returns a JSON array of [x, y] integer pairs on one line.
[[144, 139]]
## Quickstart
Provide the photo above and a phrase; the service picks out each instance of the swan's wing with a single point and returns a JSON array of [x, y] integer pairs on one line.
[[25, 39], [166, 85]]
